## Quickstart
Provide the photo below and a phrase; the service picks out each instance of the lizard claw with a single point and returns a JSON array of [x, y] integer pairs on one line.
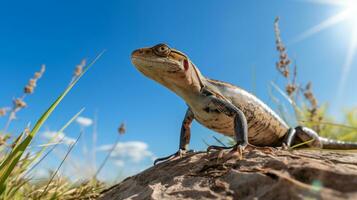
[[285, 147], [237, 150], [180, 153], [236, 153]]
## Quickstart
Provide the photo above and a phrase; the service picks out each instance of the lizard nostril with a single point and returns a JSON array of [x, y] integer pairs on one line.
[[137, 52]]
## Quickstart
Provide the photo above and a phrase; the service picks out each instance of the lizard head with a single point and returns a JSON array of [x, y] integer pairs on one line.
[[167, 66]]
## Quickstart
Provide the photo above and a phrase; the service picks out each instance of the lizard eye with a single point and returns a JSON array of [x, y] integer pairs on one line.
[[162, 50]]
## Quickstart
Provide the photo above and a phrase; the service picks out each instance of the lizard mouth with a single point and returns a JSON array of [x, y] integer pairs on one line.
[[150, 60], [147, 62]]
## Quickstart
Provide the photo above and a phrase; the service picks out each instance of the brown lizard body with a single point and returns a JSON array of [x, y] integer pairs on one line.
[[220, 106]]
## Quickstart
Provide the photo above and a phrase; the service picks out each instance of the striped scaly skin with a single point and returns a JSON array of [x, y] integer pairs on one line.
[[220, 106]]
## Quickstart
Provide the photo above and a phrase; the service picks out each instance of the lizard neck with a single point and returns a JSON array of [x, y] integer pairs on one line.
[[190, 86], [195, 85]]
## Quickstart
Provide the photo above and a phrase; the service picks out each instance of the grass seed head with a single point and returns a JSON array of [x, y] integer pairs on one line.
[[77, 71], [28, 89], [290, 89], [79, 68], [39, 74], [122, 129], [19, 103], [31, 85], [3, 111], [283, 64], [309, 95]]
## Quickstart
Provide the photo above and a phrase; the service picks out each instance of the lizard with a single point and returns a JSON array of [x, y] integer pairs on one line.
[[221, 106]]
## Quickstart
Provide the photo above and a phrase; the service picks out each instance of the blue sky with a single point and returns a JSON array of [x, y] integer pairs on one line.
[[228, 40]]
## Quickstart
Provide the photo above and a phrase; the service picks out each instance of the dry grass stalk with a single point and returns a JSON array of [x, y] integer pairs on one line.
[[309, 95], [19, 103], [314, 107], [15, 184], [3, 111], [122, 129], [79, 68], [283, 65], [284, 61], [30, 87], [292, 88]]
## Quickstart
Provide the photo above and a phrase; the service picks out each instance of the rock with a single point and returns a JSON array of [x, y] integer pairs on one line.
[[299, 174]]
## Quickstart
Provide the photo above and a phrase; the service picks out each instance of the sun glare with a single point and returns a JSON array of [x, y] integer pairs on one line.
[[348, 16], [351, 8]]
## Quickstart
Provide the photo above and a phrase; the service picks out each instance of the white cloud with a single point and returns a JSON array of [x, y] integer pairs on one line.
[[119, 163], [134, 151], [61, 136], [84, 121]]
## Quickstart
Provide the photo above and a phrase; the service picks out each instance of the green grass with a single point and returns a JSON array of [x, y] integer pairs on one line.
[[15, 163]]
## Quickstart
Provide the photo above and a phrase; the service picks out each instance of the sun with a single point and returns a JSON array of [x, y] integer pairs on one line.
[[348, 15], [351, 9], [352, 6]]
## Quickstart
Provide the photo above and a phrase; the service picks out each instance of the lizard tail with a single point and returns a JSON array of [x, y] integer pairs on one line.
[[336, 144]]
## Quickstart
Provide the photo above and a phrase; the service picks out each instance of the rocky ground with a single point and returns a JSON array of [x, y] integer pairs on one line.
[[299, 174]]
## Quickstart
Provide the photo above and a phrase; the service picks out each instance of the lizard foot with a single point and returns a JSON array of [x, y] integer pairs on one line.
[[180, 153], [285, 147], [238, 150]]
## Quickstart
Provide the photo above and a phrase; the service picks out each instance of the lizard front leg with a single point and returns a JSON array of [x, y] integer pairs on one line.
[[240, 124], [185, 136]]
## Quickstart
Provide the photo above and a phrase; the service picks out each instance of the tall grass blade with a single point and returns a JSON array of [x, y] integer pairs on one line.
[[301, 144], [38, 154], [283, 94], [65, 157], [106, 158], [14, 156]]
